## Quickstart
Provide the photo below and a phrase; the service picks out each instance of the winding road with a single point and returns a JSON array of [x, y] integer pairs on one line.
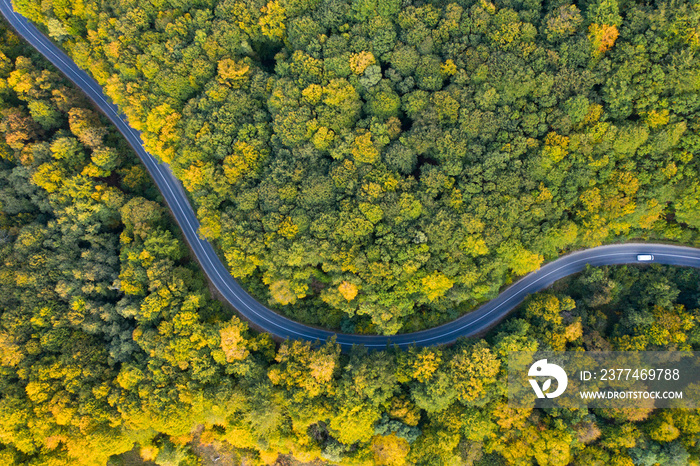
[[263, 318]]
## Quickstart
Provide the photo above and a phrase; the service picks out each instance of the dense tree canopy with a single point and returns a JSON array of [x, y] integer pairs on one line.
[[380, 159], [381, 166], [110, 343]]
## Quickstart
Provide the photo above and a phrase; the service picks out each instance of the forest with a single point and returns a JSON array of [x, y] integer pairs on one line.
[[112, 348], [372, 166], [385, 166]]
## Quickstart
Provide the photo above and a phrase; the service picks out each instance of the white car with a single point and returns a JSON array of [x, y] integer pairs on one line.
[[645, 257]]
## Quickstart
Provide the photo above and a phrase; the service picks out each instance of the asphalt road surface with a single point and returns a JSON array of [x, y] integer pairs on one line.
[[267, 320]]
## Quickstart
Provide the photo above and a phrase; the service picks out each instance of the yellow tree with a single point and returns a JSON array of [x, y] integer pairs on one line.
[[518, 259], [436, 285], [360, 61], [602, 37], [363, 150], [282, 293], [390, 450], [233, 342], [473, 369], [305, 371], [424, 363], [272, 21], [233, 74], [348, 290]]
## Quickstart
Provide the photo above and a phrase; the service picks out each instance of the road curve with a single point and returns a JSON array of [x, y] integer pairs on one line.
[[264, 318]]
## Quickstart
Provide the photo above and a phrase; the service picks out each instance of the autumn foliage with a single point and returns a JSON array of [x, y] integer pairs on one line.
[[427, 153], [602, 37]]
